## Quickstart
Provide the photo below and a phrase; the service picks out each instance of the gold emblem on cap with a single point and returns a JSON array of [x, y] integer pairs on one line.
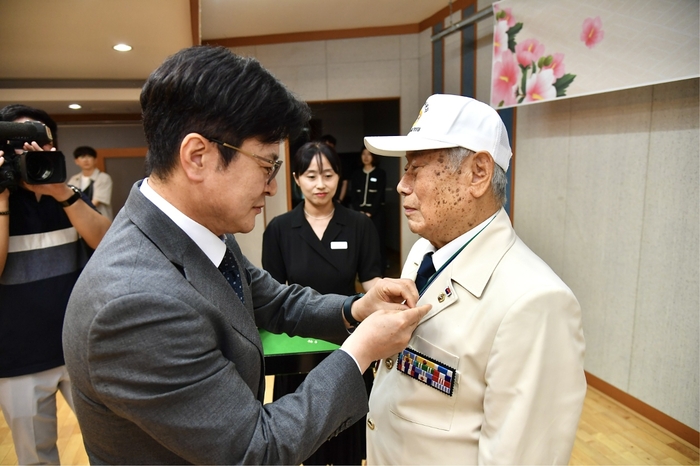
[[420, 114], [441, 297]]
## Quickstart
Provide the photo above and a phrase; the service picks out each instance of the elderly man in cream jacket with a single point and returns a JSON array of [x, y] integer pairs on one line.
[[494, 372]]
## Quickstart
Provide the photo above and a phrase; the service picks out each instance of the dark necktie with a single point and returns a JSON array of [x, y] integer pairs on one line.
[[230, 271], [425, 271]]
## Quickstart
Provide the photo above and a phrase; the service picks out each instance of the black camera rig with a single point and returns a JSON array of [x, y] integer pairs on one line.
[[34, 167]]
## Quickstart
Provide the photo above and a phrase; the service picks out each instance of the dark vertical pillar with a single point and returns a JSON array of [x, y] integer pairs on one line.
[[468, 68], [508, 117], [438, 62]]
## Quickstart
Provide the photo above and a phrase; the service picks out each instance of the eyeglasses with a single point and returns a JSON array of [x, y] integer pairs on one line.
[[271, 171]]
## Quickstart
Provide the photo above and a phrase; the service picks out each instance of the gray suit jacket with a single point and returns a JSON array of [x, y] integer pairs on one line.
[[167, 364]]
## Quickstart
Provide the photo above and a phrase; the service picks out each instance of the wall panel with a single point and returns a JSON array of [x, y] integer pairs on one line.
[[664, 370]]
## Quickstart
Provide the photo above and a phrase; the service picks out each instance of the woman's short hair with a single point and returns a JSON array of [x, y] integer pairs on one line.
[[315, 150], [375, 157]]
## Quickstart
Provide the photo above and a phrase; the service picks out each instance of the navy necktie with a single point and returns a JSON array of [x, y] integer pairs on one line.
[[230, 271], [425, 271]]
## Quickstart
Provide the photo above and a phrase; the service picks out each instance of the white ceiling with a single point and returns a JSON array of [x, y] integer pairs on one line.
[[57, 52]]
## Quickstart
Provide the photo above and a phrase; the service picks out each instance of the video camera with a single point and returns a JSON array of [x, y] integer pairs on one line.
[[40, 167]]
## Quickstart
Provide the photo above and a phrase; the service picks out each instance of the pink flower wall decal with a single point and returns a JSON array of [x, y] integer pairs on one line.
[[592, 32], [529, 51], [556, 65], [521, 71], [506, 76], [500, 39], [540, 86], [505, 15]]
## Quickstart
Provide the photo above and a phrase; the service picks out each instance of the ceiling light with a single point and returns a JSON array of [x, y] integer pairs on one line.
[[75, 106], [122, 47]]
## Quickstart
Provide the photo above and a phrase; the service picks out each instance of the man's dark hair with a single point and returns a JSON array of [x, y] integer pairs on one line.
[[16, 111], [213, 92], [84, 150]]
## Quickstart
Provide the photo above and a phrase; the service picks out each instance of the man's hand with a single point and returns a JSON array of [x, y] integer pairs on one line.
[[384, 333], [59, 191], [388, 293]]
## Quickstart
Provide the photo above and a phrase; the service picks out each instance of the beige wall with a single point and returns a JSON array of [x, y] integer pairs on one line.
[[606, 191]]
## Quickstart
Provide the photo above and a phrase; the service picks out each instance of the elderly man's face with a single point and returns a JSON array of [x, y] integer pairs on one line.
[[437, 201]]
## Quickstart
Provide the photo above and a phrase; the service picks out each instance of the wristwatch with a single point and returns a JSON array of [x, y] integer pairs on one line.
[[347, 309], [71, 200]]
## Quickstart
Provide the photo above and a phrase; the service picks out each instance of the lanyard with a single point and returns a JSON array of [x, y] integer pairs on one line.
[[434, 276]]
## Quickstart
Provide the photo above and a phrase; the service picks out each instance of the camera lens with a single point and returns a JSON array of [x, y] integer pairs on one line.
[[39, 167]]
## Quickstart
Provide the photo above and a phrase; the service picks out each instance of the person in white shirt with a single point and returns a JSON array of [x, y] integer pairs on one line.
[[96, 184]]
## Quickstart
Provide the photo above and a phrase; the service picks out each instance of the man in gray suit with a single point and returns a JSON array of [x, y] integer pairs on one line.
[[164, 354]]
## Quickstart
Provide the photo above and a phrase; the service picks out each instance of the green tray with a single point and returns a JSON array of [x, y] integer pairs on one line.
[[283, 344]]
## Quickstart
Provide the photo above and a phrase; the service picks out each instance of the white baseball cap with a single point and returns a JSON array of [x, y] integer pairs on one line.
[[450, 121]]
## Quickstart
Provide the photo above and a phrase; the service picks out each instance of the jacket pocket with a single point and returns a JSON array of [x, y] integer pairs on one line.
[[420, 403]]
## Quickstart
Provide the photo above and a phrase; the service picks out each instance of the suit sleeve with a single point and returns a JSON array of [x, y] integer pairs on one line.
[[535, 384], [179, 389], [272, 258]]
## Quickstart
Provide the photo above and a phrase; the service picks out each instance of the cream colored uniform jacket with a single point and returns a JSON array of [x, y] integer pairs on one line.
[[512, 329]]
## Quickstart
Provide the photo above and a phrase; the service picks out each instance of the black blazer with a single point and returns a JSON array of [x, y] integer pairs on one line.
[[292, 252], [368, 189]]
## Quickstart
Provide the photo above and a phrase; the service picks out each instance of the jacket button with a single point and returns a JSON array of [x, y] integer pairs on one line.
[[389, 363], [370, 424]]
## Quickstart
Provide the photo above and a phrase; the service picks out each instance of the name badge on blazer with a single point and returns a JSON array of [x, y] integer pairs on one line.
[[373, 179], [339, 244]]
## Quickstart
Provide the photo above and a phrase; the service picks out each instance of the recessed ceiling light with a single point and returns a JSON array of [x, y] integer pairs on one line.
[[122, 47], [75, 106]]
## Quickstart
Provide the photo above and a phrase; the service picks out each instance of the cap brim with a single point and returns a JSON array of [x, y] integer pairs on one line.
[[397, 146]]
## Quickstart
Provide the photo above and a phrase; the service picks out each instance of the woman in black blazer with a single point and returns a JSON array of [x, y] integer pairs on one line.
[[368, 192], [328, 247]]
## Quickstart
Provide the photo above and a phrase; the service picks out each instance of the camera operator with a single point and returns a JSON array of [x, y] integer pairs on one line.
[[45, 233]]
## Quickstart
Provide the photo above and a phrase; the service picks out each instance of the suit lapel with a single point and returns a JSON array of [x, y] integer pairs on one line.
[[196, 267], [471, 269]]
